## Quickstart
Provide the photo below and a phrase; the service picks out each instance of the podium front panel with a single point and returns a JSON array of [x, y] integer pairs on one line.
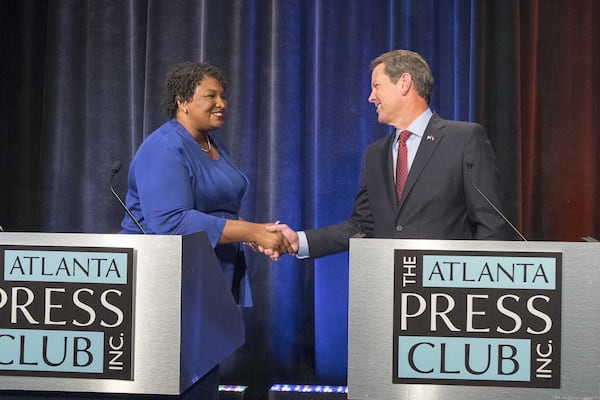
[[176, 281], [484, 319]]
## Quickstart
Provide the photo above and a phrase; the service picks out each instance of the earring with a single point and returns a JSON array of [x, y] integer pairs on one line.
[[185, 110]]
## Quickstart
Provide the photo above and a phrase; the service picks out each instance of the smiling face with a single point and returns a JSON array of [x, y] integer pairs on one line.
[[386, 96], [206, 108]]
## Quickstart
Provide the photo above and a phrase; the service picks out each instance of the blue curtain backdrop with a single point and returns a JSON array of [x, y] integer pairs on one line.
[[82, 86]]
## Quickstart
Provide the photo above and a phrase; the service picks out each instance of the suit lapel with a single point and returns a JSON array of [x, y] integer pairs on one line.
[[387, 170], [432, 136]]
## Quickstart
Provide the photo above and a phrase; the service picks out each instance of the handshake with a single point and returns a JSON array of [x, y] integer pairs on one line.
[[274, 240]]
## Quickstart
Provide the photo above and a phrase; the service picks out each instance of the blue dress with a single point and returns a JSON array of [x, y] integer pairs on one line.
[[175, 189]]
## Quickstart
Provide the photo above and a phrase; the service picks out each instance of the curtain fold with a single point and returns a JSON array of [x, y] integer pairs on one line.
[[560, 114], [82, 85], [22, 81], [494, 94]]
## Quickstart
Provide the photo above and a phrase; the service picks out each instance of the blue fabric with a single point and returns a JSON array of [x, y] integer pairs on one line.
[[174, 188], [298, 122]]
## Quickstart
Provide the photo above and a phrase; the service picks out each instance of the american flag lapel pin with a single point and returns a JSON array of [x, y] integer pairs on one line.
[[430, 138]]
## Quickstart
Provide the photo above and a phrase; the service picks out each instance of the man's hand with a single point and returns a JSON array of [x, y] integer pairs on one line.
[[289, 234], [273, 243]]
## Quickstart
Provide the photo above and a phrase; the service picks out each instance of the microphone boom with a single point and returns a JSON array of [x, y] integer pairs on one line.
[[115, 169], [469, 166]]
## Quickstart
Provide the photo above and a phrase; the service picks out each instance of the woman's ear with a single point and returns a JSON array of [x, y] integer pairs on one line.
[[181, 105]]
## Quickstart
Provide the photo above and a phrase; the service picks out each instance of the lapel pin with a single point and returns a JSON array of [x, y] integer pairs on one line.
[[430, 138]]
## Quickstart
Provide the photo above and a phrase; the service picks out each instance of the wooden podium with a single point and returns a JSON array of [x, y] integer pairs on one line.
[[461, 320], [101, 313]]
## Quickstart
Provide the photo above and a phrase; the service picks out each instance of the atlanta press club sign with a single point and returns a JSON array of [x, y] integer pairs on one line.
[[477, 318], [66, 312]]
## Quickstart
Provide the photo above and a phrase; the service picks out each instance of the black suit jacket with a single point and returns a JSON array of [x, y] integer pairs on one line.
[[439, 200]]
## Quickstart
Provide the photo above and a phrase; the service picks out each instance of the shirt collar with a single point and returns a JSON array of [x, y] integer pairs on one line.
[[418, 126]]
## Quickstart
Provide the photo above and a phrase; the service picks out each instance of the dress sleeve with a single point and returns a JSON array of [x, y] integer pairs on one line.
[[164, 183]]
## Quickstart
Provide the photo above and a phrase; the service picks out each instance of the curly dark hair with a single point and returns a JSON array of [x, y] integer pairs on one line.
[[182, 80]]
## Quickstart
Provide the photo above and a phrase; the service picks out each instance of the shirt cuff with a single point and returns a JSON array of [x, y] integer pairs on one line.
[[302, 246]]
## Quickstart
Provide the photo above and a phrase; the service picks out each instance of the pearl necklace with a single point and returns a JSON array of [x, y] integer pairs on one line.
[[209, 146]]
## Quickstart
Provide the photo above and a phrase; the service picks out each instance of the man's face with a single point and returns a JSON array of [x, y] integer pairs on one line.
[[385, 95]]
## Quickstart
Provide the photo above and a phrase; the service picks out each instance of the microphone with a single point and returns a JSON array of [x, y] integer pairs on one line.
[[469, 166], [116, 167]]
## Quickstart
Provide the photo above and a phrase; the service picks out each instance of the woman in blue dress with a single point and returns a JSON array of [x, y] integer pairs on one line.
[[182, 180]]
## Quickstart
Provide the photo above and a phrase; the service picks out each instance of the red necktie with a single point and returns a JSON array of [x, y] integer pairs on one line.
[[402, 163]]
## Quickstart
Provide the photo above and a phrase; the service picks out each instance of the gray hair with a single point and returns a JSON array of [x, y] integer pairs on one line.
[[398, 62]]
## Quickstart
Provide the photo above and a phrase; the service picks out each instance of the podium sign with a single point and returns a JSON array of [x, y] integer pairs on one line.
[[66, 311], [473, 319], [139, 314]]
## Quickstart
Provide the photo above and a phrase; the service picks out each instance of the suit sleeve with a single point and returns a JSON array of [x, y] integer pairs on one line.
[[481, 170]]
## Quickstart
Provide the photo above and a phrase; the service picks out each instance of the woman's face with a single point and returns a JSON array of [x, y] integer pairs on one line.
[[206, 109]]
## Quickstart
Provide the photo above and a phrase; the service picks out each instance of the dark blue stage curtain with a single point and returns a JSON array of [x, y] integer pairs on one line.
[[82, 85]]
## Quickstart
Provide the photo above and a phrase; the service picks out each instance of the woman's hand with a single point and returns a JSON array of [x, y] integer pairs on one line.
[[273, 244]]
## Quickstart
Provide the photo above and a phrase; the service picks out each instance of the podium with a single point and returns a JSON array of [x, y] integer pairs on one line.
[[103, 313], [460, 320]]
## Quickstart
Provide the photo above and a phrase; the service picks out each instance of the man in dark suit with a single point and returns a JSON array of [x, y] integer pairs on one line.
[[420, 184]]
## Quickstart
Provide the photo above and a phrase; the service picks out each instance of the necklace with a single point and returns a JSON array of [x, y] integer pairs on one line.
[[209, 146]]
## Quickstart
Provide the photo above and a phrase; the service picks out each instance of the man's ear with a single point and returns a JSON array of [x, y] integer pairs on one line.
[[405, 82]]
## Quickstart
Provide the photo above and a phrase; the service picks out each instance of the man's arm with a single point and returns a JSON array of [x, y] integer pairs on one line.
[[481, 170]]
